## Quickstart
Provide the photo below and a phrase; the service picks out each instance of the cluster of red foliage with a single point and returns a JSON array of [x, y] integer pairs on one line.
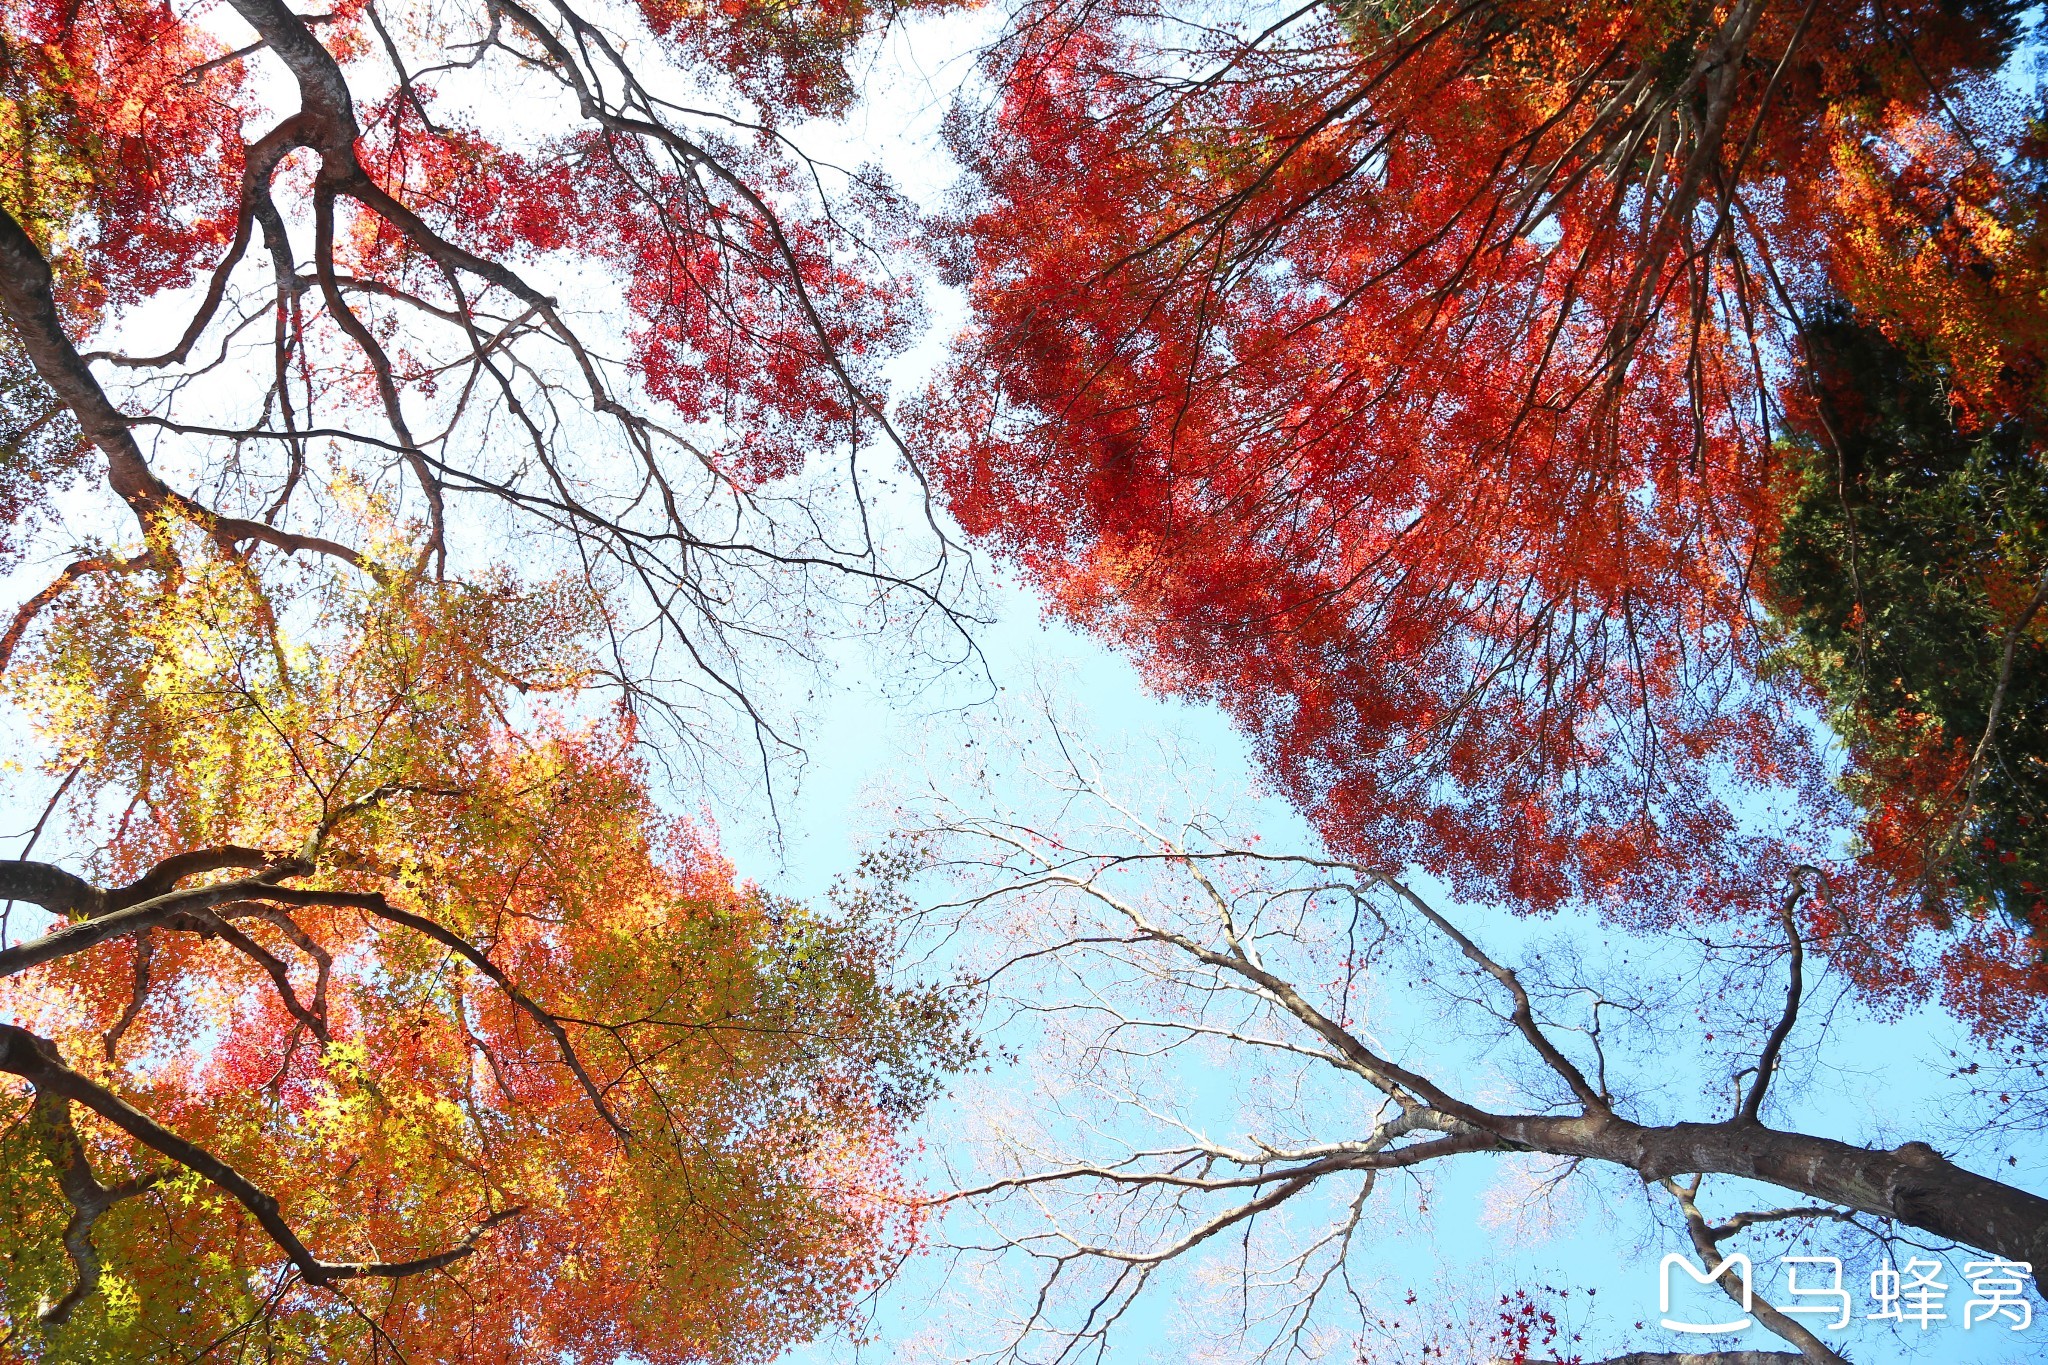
[[1406, 379], [124, 145], [129, 172]]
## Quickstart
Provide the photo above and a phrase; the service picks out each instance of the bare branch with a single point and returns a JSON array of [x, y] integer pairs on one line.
[[1795, 987], [1704, 1242]]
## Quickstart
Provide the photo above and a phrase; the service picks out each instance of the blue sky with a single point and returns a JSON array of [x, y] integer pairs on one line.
[[1884, 1081]]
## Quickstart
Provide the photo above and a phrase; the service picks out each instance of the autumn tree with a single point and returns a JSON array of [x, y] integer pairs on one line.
[[1411, 380], [410, 411], [1256, 1062], [391, 1028], [1909, 580]]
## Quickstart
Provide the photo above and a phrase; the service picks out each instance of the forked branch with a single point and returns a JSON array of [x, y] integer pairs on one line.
[[36, 1061]]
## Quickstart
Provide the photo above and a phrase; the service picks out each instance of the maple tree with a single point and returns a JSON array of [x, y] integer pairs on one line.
[[1413, 380], [394, 1027], [1258, 1063], [372, 1005], [1404, 377]]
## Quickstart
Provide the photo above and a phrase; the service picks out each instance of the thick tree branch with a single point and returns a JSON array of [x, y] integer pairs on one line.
[[105, 924], [1911, 1184], [166, 875], [50, 1116], [28, 295], [52, 888], [36, 1061], [28, 299]]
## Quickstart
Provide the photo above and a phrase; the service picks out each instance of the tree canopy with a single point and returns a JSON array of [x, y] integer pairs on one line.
[[433, 434], [371, 1001], [1413, 381], [471, 1051]]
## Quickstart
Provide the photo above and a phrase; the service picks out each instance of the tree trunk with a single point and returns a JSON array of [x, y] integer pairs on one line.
[[1912, 1184], [27, 295]]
